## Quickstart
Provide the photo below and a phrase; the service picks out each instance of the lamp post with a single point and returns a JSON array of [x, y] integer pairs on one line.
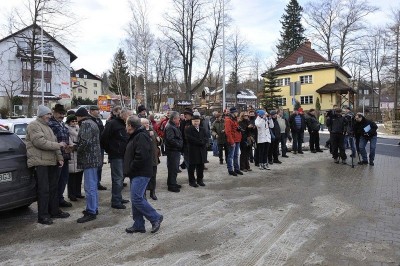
[[223, 58], [41, 41]]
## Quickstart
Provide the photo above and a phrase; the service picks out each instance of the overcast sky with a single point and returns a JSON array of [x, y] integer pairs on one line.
[[102, 29]]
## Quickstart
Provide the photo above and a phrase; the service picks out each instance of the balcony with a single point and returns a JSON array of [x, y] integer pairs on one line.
[[26, 73], [25, 53]]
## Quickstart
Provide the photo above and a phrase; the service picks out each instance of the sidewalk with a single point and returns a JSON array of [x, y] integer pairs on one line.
[[382, 133]]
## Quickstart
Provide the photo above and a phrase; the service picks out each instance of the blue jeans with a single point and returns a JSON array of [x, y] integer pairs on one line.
[[100, 169], [298, 137], [372, 147], [233, 157], [90, 186], [117, 178], [215, 147], [140, 206], [63, 180]]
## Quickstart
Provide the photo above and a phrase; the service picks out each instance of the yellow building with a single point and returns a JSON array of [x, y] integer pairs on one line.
[[317, 78], [85, 85]]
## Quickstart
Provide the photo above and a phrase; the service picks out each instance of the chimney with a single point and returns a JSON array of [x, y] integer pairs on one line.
[[307, 43]]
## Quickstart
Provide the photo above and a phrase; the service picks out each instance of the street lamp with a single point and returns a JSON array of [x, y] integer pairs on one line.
[[41, 41]]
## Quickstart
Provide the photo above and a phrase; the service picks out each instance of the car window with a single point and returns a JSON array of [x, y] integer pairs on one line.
[[20, 129], [10, 143]]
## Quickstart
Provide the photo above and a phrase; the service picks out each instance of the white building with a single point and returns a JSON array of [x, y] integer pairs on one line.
[[15, 68]]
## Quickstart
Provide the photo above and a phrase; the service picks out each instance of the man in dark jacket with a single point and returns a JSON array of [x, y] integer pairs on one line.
[[114, 140], [196, 138], [94, 113], [188, 113], [313, 127], [138, 165], [366, 130], [337, 127], [89, 159], [218, 131], [273, 151], [349, 136], [297, 124], [173, 148]]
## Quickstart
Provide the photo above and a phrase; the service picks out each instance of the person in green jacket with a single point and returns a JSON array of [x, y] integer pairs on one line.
[[321, 120], [218, 132]]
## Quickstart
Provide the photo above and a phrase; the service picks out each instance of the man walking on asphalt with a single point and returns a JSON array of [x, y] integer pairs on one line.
[[114, 140], [337, 127], [94, 113], [233, 138], [138, 165], [366, 130], [173, 148], [89, 159], [43, 153]]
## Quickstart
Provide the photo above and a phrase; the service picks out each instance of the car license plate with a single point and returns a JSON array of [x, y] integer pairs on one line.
[[5, 177]]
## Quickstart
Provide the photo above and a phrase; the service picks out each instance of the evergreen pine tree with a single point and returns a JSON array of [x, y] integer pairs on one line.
[[292, 34], [271, 95], [119, 75]]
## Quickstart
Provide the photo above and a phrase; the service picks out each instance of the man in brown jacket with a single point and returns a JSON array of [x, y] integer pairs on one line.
[[44, 154]]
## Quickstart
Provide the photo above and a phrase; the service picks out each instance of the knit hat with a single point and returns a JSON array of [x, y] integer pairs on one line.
[[260, 112], [233, 110], [141, 108], [188, 111], [43, 110], [70, 118], [272, 112], [82, 112], [93, 107], [196, 115], [300, 110]]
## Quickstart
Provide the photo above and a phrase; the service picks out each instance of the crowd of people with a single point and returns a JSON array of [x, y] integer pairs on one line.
[[67, 154]]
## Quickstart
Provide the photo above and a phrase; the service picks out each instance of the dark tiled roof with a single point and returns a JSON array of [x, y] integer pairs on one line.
[[305, 51], [338, 86], [82, 72]]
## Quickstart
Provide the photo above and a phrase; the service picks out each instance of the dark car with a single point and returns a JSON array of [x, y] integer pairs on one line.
[[17, 182]]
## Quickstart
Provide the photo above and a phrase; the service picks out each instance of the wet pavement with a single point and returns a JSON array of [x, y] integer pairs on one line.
[[306, 211]]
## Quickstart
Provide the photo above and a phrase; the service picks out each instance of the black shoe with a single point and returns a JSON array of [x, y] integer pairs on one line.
[[124, 184], [295, 152], [131, 230], [201, 183], [207, 161], [256, 165], [72, 198], [277, 161], [232, 173], [178, 186], [337, 161], [183, 165], [124, 201], [156, 225], [65, 204], [221, 162], [320, 151], [205, 168], [80, 197], [238, 172], [85, 212], [60, 215], [47, 221], [174, 189], [271, 162], [285, 156], [313, 151], [153, 195], [251, 161], [363, 162], [101, 187], [371, 163], [344, 161], [118, 206], [87, 217], [179, 171], [193, 185], [300, 152]]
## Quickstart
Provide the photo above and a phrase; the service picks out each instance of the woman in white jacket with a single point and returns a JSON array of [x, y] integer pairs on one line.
[[263, 123]]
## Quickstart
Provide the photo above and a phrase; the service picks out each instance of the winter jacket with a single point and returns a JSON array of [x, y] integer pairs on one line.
[[263, 125], [350, 121], [360, 127], [276, 129], [197, 143], [173, 138], [336, 124], [42, 146], [114, 138], [155, 144], [244, 125], [218, 129], [232, 132], [312, 123], [292, 123], [73, 138], [88, 146], [182, 127], [61, 133], [138, 158]]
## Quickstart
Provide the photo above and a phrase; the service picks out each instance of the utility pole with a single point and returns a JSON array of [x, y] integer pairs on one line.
[[396, 71], [223, 58]]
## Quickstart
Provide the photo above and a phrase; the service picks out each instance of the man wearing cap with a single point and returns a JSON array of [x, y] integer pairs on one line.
[[89, 159], [62, 134], [94, 113], [44, 154], [141, 111], [233, 138]]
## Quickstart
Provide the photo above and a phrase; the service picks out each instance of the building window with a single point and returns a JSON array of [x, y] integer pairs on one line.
[[283, 82], [85, 76], [77, 75], [366, 92], [79, 90], [306, 79], [306, 99], [95, 84], [95, 92], [281, 101]]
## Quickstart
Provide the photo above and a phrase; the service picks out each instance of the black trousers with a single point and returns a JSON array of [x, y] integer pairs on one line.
[[262, 152], [225, 148], [244, 155], [314, 141], [47, 190], [273, 150], [199, 172], [173, 158], [337, 143], [75, 184], [152, 183]]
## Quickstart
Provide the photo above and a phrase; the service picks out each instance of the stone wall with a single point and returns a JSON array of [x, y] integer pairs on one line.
[[393, 126]]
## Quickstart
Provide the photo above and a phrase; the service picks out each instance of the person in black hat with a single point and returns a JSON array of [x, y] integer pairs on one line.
[[141, 111], [188, 113], [94, 113], [62, 134]]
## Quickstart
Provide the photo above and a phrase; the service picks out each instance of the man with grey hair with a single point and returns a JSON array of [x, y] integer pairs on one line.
[[114, 139], [173, 147]]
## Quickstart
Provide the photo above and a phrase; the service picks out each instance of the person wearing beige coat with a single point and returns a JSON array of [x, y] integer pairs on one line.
[[44, 154]]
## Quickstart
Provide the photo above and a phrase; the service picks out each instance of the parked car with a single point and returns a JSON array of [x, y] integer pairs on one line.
[[17, 181], [17, 126]]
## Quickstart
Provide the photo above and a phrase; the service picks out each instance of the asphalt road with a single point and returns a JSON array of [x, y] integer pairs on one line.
[[384, 146]]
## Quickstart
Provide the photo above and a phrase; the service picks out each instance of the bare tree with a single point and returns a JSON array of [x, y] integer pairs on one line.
[[237, 49], [394, 31], [57, 21], [191, 26], [10, 83]]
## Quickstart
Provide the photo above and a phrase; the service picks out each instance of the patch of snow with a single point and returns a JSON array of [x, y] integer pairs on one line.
[[308, 64]]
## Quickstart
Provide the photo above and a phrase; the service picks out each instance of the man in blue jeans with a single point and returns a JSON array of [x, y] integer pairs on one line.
[[366, 130], [233, 137], [138, 165], [114, 140], [89, 159], [297, 124]]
